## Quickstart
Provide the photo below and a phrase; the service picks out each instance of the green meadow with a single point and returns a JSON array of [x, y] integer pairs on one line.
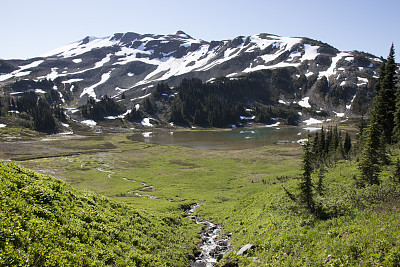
[[243, 190]]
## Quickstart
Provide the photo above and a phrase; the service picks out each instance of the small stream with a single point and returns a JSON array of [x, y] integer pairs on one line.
[[214, 244]]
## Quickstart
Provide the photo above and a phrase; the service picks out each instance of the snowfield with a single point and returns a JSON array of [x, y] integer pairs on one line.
[[90, 123], [146, 122], [312, 121], [304, 102]]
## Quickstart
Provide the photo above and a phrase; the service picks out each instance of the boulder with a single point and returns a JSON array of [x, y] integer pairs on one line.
[[245, 249]]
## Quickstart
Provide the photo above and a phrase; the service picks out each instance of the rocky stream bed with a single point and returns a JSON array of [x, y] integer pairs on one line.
[[214, 243]]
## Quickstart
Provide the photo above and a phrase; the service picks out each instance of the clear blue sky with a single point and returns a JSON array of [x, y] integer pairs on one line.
[[30, 28]]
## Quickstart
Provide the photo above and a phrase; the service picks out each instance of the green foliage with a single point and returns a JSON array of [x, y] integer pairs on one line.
[[43, 118], [264, 114], [104, 108], [373, 154], [135, 115], [306, 186], [149, 106], [200, 104], [221, 102], [386, 97], [32, 107], [347, 144], [397, 171], [59, 113], [320, 188], [328, 146], [45, 222], [24, 85], [163, 91], [243, 190]]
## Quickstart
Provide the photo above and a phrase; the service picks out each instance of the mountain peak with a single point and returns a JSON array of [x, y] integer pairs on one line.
[[87, 39], [183, 34], [134, 63]]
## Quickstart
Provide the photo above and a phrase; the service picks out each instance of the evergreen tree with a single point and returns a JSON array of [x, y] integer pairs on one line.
[[176, 115], [396, 130], [135, 115], [381, 74], [322, 141], [162, 91], [43, 119], [149, 106], [59, 113], [386, 97], [305, 186], [347, 144], [373, 154], [99, 110]]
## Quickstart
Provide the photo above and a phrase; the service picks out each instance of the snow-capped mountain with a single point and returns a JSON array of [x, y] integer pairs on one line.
[[133, 63]]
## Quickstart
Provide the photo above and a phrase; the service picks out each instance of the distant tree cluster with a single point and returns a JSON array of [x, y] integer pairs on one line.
[[43, 117], [203, 104], [221, 102], [25, 85], [30, 106], [329, 145], [101, 109], [136, 115]]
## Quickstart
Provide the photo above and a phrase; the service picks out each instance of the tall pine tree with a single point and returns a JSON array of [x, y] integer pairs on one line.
[[306, 186], [386, 97], [373, 154]]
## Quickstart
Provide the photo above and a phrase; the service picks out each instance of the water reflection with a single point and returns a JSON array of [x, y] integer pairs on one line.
[[233, 139]]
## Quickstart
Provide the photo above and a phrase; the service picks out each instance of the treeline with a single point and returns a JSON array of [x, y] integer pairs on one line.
[[98, 110], [36, 111], [196, 103], [219, 103], [329, 146]]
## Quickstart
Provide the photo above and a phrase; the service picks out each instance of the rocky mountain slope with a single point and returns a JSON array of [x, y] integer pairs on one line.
[[132, 64]]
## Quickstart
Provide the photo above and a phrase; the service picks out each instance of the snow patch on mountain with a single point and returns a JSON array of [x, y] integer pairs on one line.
[[333, 68], [101, 63], [80, 47], [21, 71], [310, 52], [142, 60], [304, 102], [362, 81], [72, 80], [90, 123], [90, 90], [312, 121], [146, 122]]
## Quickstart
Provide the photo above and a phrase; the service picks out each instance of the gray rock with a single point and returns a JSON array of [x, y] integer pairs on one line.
[[245, 249]]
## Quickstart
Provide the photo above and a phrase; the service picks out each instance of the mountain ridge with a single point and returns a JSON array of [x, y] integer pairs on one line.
[[132, 64]]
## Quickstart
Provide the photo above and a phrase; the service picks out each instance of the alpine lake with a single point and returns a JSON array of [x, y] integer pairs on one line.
[[240, 138]]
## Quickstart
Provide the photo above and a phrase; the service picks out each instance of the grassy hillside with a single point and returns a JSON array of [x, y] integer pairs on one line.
[[242, 190], [363, 229], [45, 222]]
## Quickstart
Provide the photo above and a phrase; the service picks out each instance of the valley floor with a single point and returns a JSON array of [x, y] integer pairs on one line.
[[243, 190]]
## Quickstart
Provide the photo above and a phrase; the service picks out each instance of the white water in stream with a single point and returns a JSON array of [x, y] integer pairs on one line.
[[214, 245]]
